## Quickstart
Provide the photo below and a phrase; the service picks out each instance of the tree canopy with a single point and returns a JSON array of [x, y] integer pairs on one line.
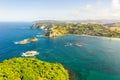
[[31, 69]]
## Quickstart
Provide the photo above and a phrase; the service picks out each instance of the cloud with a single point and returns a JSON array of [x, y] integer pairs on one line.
[[88, 6], [100, 10], [92, 12], [116, 4]]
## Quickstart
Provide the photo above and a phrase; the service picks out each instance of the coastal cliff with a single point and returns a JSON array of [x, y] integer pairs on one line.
[[56, 32]]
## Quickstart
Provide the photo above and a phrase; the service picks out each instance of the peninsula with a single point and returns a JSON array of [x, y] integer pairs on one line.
[[56, 28]]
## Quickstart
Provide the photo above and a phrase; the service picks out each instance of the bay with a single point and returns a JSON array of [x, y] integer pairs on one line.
[[96, 59]]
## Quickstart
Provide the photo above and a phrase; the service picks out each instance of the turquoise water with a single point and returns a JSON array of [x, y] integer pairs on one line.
[[96, 59]]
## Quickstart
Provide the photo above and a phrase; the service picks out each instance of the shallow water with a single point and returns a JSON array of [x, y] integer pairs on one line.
[[96, 59]]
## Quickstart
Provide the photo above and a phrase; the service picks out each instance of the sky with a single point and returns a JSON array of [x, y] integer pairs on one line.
[[33, 10]]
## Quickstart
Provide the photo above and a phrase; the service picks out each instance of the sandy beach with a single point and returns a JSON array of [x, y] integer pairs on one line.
[[102, 37]]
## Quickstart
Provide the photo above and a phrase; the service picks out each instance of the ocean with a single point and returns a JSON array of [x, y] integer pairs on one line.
[[96, 59]]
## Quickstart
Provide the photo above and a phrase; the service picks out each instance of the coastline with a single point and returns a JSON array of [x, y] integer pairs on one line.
[[102, 37]]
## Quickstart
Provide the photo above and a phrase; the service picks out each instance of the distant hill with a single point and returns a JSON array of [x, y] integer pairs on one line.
[[114, 26], [101, 21], [59, 28]]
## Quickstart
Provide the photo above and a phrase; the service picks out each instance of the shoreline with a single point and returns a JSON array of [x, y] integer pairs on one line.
[[102, 37]]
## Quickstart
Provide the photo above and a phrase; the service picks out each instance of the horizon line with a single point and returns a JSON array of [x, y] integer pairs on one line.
[[61, 20]]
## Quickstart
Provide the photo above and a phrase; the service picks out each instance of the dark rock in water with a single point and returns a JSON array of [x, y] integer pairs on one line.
[[82, 75], [47, 33], [72, 75]]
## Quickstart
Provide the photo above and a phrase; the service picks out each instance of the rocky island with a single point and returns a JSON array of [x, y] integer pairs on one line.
[[26, 41], [30, 53]]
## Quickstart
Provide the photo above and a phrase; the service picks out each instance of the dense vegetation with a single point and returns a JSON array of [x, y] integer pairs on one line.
[[31, 69], [114, 27], [78, 28], [92, 29]]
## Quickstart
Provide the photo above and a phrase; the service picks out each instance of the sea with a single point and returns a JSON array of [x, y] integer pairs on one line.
[[96, 59]]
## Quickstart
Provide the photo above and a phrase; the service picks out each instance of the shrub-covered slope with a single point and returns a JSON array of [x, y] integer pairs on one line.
[[31, 69], [56, 29]]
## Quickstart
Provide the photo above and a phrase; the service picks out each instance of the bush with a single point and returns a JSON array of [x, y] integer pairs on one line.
[[31, 69]]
